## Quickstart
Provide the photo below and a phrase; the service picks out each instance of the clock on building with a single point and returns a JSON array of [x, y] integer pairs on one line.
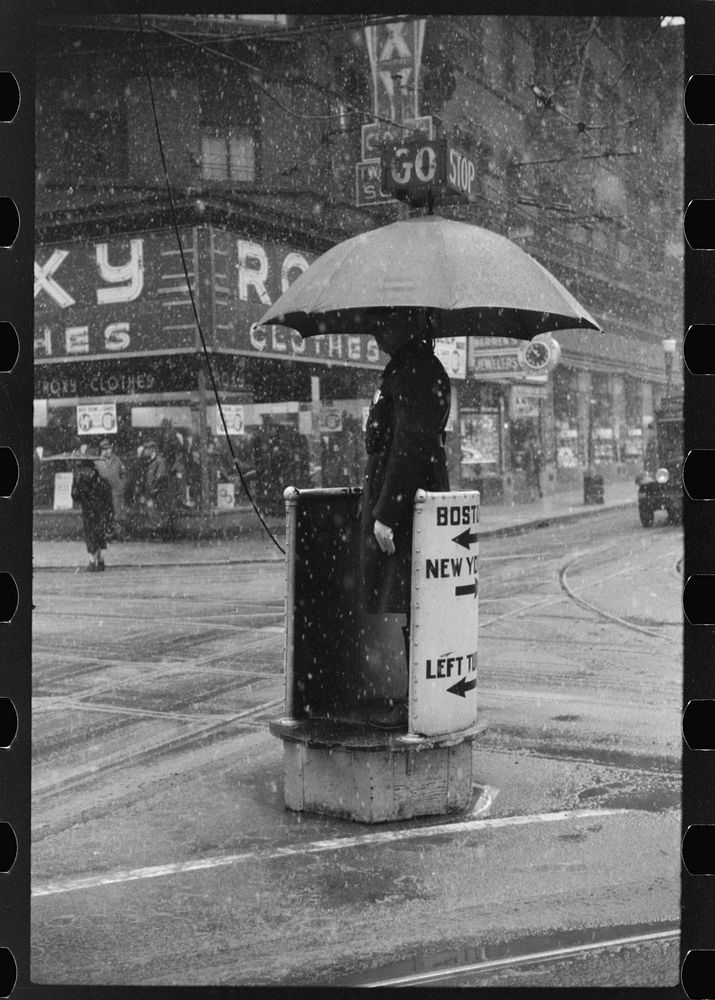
[[539, 355]]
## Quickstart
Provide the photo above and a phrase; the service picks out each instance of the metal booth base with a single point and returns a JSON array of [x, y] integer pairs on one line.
[[342, 767]]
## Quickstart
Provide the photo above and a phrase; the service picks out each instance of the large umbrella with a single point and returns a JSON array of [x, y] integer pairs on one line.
[[475, 282]]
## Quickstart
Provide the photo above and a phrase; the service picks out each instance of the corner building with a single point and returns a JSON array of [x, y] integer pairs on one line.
[[270, 128]]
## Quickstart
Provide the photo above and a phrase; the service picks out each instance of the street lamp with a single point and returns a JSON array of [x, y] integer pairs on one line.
[[669, 352]]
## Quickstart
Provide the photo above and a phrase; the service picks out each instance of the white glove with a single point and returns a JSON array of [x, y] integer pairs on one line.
[[383, 534]]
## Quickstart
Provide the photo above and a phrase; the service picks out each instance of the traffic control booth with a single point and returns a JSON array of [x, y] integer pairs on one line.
[[340, 663]]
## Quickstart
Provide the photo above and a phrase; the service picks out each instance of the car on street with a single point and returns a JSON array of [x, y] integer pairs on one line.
[[660, 485]]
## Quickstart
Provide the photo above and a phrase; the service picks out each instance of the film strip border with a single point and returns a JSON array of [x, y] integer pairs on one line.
[[698, 844], [16, 381]]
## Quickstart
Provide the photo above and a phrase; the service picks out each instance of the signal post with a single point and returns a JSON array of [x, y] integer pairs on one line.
[[340, 663]]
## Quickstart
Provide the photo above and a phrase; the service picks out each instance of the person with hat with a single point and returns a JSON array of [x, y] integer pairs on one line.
[[156, 493], [94, 495], [404, 439], [112, 469]]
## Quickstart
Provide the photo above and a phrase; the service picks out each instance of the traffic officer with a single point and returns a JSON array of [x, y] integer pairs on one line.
[[404, 439]]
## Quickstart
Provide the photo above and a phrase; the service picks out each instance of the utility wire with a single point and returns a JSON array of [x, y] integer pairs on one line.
[[361, 111], [191, 293], [507, 203]]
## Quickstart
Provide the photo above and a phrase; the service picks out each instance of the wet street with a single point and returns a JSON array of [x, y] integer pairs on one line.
[[162, 852]]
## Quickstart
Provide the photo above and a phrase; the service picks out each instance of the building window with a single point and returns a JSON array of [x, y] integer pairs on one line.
[[94, 143], [229, 157]]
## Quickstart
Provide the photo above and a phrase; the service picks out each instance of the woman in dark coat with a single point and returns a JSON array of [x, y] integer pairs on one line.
[[94, 495], [404, 440]]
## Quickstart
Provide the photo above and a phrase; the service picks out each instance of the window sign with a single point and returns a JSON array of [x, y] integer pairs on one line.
[[479, 437], [525, 401], [39, 413], [225, 496], [97, 418], [331, 419], [452, 352], [234, 417], [63, 491]]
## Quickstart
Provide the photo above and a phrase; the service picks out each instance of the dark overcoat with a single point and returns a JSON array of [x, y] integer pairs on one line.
[[94, 495], [404, 439]]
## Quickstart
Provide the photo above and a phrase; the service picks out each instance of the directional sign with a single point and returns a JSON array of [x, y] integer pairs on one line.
[[466, 539], [462, 686], [469, 588], [444, 613]]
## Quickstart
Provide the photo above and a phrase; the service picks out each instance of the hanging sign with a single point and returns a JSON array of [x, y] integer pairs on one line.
[[412, 169], [444, 613], [461, 172], [97, 418], [376, 135], [394, 51], [368, 184]]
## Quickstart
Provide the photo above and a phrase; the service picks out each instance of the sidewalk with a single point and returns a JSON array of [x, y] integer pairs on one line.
[[255, 546]]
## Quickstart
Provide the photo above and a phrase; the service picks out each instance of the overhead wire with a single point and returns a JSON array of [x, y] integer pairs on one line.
[[510, 204], [349, 105], [191, 293]]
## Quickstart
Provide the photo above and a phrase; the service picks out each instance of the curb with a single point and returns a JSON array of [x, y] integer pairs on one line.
[[497, 532], [549, 519]]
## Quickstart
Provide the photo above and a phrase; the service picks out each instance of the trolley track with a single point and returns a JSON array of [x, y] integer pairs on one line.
[[145, 778], [173, 744], [570, 592], [466, 972]]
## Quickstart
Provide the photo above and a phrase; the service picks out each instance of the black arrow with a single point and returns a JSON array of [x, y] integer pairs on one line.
[[462, 686], [469, 588], [466, 538]]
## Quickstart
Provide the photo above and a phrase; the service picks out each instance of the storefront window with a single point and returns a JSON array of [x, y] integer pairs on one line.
[[633, 445], [566, 418], [603, 442], [480, 444]]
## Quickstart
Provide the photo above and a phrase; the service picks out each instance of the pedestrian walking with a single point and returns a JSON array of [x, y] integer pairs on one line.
[[404, 439], [112, 469], [94, 495]]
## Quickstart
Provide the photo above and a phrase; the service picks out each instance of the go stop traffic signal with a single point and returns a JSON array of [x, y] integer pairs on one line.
[[422, 169]]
